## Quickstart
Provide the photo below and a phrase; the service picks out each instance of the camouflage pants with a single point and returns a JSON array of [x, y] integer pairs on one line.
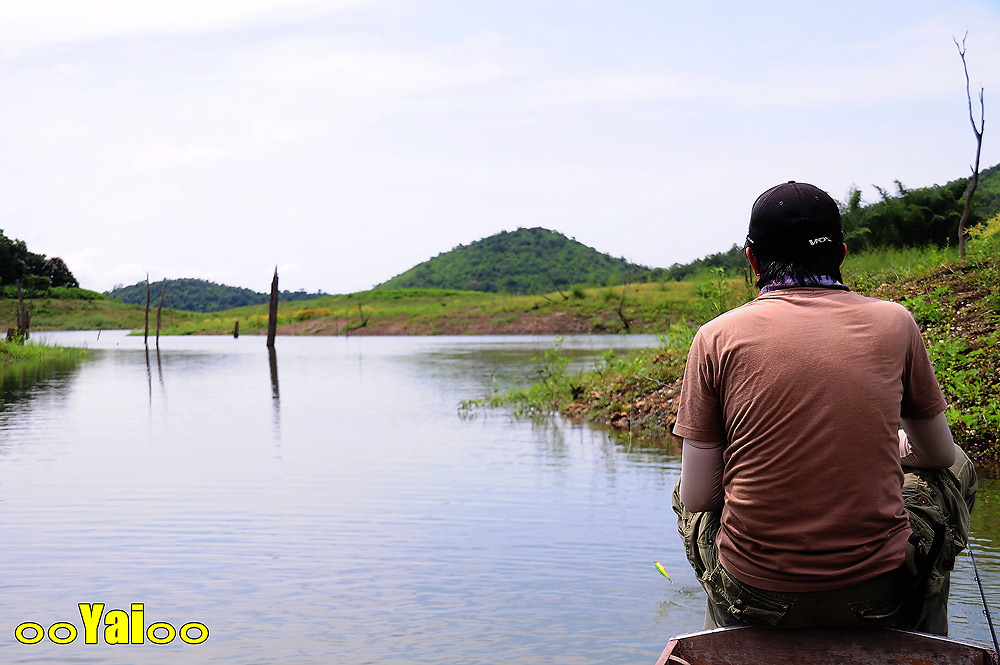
[[894, 599]]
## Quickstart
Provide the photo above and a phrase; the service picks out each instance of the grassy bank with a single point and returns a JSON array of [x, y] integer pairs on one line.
[[646, 307], [21, 363], [12, 353], [955, 302], [77, 314], [613, 309]]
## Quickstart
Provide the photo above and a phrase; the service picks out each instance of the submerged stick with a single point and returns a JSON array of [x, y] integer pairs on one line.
[[159, 312]]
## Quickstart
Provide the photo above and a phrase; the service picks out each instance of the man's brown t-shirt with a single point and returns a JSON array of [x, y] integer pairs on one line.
[[806, 386]]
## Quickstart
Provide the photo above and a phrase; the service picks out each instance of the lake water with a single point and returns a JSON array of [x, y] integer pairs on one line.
[[332, 505]]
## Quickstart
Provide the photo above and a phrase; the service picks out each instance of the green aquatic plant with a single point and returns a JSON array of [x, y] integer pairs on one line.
[[22, 365]]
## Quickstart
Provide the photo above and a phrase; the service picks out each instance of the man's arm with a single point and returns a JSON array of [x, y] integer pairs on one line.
[[925, 444], [701, 475]]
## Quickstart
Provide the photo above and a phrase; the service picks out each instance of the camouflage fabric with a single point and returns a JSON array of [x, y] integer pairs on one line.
[[946, 497], [895, 599]]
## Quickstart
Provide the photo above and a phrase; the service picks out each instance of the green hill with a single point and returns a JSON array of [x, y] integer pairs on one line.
[[199, 295], [526, 261]]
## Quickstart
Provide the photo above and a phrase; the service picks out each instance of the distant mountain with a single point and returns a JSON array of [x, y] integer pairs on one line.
[[199, 295], [524, 261]]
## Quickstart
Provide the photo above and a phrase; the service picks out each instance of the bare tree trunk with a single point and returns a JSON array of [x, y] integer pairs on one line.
[[979, 146], [272, 311], [159, 312], [22, 316], [145, 331], [556, 286], [621, 303]]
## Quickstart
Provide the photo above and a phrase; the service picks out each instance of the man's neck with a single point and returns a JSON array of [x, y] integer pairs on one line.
[[820, 281]]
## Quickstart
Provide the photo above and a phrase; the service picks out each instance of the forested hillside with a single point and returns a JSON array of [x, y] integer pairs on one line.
[[905, 218], [986, 202], [199, 295], [525, 261], [908, 218]]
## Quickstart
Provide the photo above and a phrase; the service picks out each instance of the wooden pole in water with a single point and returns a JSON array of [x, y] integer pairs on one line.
[[145, 331], [22, 316], [236, 330], [272, 311], [159, 312], [18, 323]]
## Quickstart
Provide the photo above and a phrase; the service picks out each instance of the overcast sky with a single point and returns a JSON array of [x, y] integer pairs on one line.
[[345, 141]]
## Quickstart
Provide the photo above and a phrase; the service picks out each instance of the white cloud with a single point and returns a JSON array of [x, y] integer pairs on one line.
[[169, 156], [42, 22]]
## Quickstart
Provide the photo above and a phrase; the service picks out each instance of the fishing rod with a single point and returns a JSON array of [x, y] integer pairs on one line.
[[665, 385], [986, 609]]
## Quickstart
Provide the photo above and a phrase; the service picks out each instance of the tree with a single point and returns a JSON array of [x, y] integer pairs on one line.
[[35, 270], [58, 273], [978, 131], [908, 218]]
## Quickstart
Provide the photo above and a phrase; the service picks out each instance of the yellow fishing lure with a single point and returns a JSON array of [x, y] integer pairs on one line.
[[663, 571]]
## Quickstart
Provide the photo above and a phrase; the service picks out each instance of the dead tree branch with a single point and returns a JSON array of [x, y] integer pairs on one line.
[[979, 146], [361, 315], [621, 303], [556, 286]]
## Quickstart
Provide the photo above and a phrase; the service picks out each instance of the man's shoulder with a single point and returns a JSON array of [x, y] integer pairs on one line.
[[775, 306], [732, 321], [887, 307], [833, 298]]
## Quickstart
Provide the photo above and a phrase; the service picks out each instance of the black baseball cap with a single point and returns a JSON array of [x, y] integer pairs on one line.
[[793, 217]]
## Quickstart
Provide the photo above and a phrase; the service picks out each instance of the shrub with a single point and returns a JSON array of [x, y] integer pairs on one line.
[[304, 314]]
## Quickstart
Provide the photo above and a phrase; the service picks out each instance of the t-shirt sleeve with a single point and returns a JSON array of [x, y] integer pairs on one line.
[[699, 413], [922, 397]]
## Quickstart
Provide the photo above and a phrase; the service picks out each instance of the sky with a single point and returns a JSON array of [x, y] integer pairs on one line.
[[345, 141]]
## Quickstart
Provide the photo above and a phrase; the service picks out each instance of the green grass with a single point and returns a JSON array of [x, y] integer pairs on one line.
[[649, 307], [32, 352], [868, 270], [81, 314], [25, 363], [625, 388]]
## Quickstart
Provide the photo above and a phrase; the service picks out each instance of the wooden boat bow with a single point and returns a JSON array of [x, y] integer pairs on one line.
[[748, 645]]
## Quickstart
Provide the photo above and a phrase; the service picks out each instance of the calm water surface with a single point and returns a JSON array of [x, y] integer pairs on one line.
[[331, 505]]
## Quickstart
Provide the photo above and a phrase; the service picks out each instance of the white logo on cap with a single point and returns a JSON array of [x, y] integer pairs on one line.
[[816, 241]]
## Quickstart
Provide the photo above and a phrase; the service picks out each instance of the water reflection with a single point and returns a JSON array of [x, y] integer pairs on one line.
[[24, 382], [272, 357], [149, 373]]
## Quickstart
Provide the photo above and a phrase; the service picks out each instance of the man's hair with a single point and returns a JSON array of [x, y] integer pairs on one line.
[[805, 266]]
